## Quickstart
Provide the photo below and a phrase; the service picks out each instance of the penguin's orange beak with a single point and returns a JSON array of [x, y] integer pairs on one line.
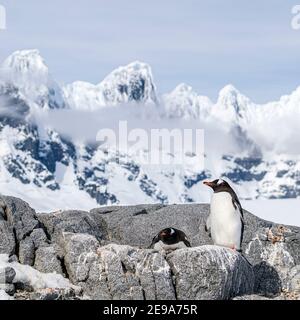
[[207, 183]]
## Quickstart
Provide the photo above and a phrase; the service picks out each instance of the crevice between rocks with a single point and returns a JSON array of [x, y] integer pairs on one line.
[[42, 226], [34, 257], [173, 278], [123, 267], [63, 267], [4, 207], [140, 284], [17, 244]]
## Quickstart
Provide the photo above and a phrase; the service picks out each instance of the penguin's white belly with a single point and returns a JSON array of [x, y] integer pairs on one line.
[[226, 224], [162, 246]]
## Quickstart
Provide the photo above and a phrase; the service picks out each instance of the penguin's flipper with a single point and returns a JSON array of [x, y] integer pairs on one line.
[[155, 240], [181, 236], [187, 243], [207, 226], [236, 203]]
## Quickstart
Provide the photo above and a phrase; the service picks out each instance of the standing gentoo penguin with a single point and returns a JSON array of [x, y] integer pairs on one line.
[[225, 222], [170, 239]]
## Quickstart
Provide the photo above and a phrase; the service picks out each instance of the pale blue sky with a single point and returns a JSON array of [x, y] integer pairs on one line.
[[206, 44]]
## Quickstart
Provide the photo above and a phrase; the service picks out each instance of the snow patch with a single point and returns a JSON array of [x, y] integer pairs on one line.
[[34, 278]]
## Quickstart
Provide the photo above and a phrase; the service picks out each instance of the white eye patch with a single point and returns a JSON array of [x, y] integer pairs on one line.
[[172, 231], [220, 182]]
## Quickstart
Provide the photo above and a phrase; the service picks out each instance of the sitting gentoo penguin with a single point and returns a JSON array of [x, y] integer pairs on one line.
[[225, 223], [170, 239]]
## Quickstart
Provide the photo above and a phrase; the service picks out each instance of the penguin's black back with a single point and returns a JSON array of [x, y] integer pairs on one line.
[[174, 238]]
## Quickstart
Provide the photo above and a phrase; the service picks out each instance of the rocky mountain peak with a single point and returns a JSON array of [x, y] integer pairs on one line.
[[133, 82], [25, 62], [232, 104], [28, 73], [184, 102]]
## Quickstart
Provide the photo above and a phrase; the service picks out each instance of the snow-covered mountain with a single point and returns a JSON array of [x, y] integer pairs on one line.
[[254, 146], [27, 73], [132, 83], [185, 103]]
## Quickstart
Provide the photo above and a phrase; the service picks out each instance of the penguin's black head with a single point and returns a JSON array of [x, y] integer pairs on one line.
[[168, 234], [218, 185]]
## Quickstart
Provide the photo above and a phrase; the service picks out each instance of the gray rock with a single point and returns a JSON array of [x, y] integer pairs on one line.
[[20, 216], [117, 272], [47, 260], [258, 297], [39, 238], [124, 272], [7, 275], [137, 225], [294, 280], [271, 248], [2, 210], [267, 280], [80, 252], [70, 221], [71, 243], [9, 288], [210, 273], [10, 274], [7, 239], [50, 294], [26, 251], [23, 287], [134, 274], [273, 256], [13, 258]]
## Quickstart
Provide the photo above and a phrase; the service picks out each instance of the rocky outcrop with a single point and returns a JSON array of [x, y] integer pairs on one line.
[[117, 272], [105, 253], [7, 239], [210, 273], [272, 249]]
